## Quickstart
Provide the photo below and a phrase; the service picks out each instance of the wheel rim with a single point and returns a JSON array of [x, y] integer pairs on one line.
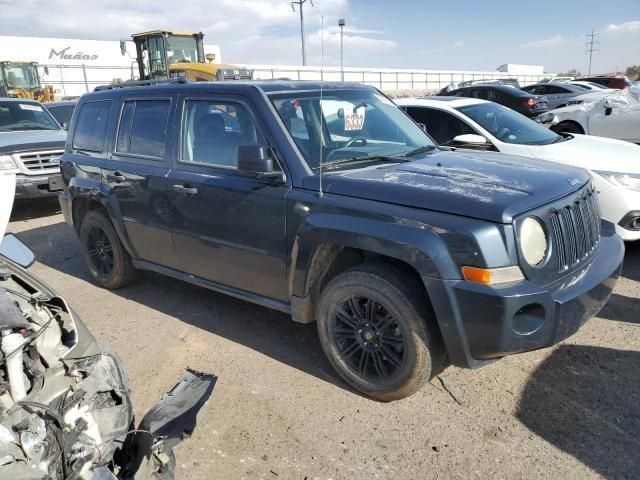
[[368, 338], [100, 251]]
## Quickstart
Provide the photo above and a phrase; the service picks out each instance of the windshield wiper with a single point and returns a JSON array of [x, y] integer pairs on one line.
[[423, 149], [559, 138], [384, 158]]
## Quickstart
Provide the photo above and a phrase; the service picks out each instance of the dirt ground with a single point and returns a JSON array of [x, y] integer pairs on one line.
[[279, 411]]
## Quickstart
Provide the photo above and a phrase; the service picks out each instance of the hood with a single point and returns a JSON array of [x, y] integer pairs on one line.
[[7, 191], [21, 141], [484, 185], [593, 153]]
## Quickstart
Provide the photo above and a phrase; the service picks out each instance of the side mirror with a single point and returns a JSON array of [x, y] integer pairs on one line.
[[46, 70], [16, 251], [423, 126], [608, 106], [65, 126], [123, 47], [471, 139], [256, 160]]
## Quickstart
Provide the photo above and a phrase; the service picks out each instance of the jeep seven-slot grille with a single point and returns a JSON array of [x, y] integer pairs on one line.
[[575, 230], [35, 161]]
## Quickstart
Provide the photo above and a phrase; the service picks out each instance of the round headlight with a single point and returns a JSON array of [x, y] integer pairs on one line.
[[533, 241]]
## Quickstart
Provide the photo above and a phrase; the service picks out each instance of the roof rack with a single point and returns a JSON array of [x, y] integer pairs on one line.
[[141, 83]]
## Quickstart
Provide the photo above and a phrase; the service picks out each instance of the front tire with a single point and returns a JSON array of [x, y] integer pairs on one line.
[[378, 332], [108, 261]]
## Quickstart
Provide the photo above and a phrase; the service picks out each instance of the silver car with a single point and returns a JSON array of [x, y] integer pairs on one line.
[[558, 94]]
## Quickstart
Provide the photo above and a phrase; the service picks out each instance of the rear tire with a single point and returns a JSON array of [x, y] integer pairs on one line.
[[568, 127], [108, 261], [378, 331]]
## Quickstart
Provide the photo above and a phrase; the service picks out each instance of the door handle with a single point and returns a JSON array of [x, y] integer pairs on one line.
[[116, 177], [184, 189]]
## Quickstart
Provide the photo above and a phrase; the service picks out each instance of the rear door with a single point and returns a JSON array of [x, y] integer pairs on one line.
[[621, 121], [557, 96], [135, 172], [229, 228]]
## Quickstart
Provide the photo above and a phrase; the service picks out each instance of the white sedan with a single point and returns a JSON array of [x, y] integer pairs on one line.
[[478, 124], [614, 115]]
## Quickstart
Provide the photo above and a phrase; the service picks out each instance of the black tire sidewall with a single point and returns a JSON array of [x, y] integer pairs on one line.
[[117, 277], [418, 361]]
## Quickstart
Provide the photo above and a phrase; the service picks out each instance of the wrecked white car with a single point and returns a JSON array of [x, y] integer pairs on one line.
[[65, 406], [613, 116]]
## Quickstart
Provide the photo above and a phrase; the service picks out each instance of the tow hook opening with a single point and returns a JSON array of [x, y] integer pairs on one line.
[[528, 319]]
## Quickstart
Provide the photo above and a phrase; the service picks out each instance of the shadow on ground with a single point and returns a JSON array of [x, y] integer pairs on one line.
[[36, 208], [266, 331], [631, 268], [585, 401]]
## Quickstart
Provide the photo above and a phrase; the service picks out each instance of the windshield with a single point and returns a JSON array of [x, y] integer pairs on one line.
[[25, 115], [182, 49], [62, 113], [509, 126], [348, 125], [19, 75]]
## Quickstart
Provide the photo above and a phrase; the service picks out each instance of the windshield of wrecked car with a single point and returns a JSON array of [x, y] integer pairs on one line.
[[509, 126], [348, 125], [25, 116]]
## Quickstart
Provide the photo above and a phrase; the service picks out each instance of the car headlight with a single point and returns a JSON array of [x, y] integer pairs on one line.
[[7, 163], [533, 241], [627, 180]]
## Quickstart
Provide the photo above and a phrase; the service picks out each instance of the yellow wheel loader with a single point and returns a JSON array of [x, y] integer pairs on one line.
[[163, 54], [21, 80]]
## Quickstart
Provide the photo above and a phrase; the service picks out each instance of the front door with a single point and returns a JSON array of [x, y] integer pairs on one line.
[[619, 121], [135, 172], [229, 228]]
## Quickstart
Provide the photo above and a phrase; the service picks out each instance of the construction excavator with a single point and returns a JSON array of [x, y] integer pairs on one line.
[[21, 80], [164, 54]]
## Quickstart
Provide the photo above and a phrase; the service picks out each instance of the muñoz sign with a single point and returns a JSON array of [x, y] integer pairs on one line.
[[63, 55]]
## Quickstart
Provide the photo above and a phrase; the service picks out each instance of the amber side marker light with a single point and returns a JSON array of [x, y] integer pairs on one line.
[[492, 276]]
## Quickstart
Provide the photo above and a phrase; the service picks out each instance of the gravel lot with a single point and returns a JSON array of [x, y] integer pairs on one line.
[[279, 411]]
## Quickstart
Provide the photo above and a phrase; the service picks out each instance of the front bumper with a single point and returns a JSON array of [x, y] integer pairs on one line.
[[617, 205], [38, 186], [480, 323]]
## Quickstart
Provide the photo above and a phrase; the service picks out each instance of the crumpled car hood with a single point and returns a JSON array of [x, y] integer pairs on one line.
[[484, 185], [65, 400]]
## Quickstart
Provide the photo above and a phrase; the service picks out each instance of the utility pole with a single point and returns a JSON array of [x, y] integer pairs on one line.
[[591, 45], [300, 4], [341, 24]]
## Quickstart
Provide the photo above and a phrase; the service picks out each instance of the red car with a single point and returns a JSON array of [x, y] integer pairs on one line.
[[610, 82]]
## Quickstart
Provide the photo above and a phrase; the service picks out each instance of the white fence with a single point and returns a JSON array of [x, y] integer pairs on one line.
[[74, 80]]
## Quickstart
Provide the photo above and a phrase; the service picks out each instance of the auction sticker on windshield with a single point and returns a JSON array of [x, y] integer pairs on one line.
[[33, 108], [354, 120]]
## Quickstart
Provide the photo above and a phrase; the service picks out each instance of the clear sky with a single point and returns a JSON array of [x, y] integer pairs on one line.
[[465, 34]]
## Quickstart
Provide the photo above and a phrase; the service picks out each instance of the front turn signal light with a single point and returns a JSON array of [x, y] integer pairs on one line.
[[492, 276]]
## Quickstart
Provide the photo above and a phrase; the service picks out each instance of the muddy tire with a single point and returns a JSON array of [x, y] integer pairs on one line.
[[378, 331], [108, 261]]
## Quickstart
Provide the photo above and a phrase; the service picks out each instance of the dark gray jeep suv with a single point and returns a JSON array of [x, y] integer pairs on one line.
[[330, 204]]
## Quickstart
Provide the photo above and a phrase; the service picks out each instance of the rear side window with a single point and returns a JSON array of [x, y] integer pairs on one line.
[[91, 126], [143, 127]]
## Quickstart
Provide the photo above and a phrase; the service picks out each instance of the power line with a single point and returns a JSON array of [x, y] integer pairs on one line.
[[300, 4], [591, 45]]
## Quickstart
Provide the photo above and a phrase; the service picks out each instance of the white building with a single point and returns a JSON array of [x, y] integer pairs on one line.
[[518, 69]]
